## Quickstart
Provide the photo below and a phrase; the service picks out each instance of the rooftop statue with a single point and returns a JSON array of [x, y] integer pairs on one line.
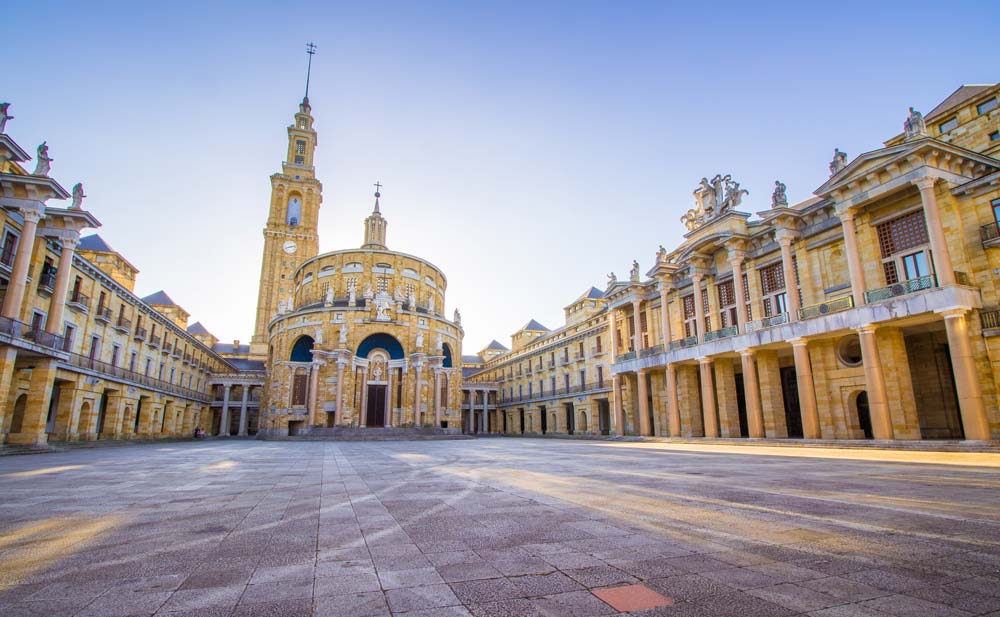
[[634, 274], [612, 279], [4, 116], [778, 197], [458, 318], [914, 126], [661, 255], [77, 196], [713, 198], [44, 162], [839, 161]]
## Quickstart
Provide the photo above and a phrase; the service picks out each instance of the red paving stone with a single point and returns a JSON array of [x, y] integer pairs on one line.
[[629, 598]]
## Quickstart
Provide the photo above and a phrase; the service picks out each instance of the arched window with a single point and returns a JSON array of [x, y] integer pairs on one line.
[[302, 350], [294, 214], [446, 350], [383, 341], [444, 390]]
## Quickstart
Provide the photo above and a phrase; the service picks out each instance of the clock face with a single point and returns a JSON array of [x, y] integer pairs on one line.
[[289, 247]]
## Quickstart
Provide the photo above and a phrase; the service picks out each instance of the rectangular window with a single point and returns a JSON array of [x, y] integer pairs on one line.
[[132, 361], [299, 386], [726, 292], [9, 248], [95, 347], [583, 378], [159, 374], [947, 125], [986, 106], [600, 376], [996, 210], [300, 146], [115, 350], [300, 160], [68, 338], [37, 320], [915, 265], [900, 241], [149, 366], [689, 316]]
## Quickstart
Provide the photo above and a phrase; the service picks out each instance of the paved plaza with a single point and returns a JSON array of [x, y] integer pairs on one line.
[[500, 526]]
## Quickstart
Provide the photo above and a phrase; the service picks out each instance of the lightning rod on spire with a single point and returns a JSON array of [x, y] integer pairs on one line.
[[310, 49]]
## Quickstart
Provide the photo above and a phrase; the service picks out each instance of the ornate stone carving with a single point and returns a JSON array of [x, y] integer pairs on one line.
[[400, 294], [612, 279], [369, 294], [411, 301], [778, 197], [457, 318], [420, 339], [352, 293], [634, 273], [382, 304], [439, 343], [4, 116], [713, 198], [914, 126], [328, 297], [77, 196], [661, 255], [839, 161], [318, 338], [430, 302], [343, 336], [44, 162]]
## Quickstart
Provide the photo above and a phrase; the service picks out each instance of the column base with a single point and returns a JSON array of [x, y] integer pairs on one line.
[[28, 439]]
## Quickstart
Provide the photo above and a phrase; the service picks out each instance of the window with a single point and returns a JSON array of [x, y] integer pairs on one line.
[[132, 361], [727, 303], [690, 326], [149, 366], [9, 248], [159, 374], [300, 160], [299, 386], [115, 350], [303, 124], [300, 146], [95, 347], [294, 213], [583, 378], [37, 320], [772, 283], [996, 209], [172, 370], [746, 296], [903, 244], [947, 125], [986, 106], [68, 338], [995, 135]]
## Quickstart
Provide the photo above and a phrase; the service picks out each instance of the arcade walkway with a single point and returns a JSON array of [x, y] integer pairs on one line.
[[497, 527]]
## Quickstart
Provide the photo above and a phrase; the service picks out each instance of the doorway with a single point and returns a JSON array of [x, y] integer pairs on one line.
[[543, 414], [570, 419], [375, 414], [864, 415], [604, 416], [741, 406], [790, 395], [521, 413]]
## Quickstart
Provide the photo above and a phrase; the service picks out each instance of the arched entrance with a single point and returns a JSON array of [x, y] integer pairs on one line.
[[864, 414], [384, 355], [17, 421], [377, 404]]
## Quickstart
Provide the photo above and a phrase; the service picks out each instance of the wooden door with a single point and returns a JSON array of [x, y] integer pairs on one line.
[[375, 414]]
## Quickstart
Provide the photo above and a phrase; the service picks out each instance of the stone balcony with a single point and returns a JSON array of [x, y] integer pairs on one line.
[[924, 301]]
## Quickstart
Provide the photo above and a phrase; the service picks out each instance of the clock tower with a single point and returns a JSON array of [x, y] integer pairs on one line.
[[290, 233]]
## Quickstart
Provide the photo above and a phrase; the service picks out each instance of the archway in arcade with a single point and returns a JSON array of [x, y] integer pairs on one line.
[[379, 349], [17, 420], [302, 350], [864, 414]]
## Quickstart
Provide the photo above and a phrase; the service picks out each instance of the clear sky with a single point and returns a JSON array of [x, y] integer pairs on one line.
[[526, 148]]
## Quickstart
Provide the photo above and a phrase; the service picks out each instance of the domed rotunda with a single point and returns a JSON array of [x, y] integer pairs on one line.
[[364, 344]]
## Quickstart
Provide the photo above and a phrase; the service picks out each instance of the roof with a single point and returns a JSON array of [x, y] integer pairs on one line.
[[964, 93], [95, 242], [496, 345], [221, 348], [247, 365], [469, 371], [534, 325], [471, 360], [594, 293], [159, 297], [198, 329]]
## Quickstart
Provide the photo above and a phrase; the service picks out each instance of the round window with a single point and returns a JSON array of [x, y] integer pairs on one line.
[[849, 350]]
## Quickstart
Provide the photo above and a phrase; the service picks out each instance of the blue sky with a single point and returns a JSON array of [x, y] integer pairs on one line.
[[527, 149]]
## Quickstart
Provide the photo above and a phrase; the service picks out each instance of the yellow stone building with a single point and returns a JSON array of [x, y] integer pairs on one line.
[[870, 310]]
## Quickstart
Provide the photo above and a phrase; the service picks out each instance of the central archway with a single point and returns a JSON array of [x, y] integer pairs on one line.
[[381, 340], [302, 350]]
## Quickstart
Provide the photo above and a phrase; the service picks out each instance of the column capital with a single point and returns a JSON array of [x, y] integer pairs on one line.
[[847, 214], [32, 213], [736, 258], [747, 352], [952, 312], [925, 183], [800, 341], [868, 328], [785, 236], [704, 360]]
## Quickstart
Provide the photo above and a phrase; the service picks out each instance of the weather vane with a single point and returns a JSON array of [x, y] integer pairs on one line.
[[310, 49]]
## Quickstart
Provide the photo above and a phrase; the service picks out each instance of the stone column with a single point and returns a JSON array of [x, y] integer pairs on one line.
[[486, 411], [388, 398], [643, 407], [673, 412], [243, 411], [471, 422], [806, 388], [224, 418], [22, 259], [736, 261], [338, 413], [878, 400], [970, 397], [708, 398], [935, 231], [363, 411], [853, 256], [617, 410], [665, 315], [57, 305], [699, 306], [751, 392], [417, 407], [784, 238], [437, 397], [637, 341]]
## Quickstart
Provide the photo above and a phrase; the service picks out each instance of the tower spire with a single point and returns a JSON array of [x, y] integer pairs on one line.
[[375, 225], [310, 49]]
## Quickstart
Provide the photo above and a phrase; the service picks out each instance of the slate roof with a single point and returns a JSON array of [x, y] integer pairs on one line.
[[159, 297], [496, 345], [197, 328], [468, 371], [534, 325], [471, 360], [94, 242], [958, 97], [248, 365], [594, 294], [228, 348]]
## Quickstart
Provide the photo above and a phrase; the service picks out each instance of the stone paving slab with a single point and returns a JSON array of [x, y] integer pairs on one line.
[[497, 527]]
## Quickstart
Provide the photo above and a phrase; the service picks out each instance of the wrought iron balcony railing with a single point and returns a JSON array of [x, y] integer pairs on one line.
[[901, 288]]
